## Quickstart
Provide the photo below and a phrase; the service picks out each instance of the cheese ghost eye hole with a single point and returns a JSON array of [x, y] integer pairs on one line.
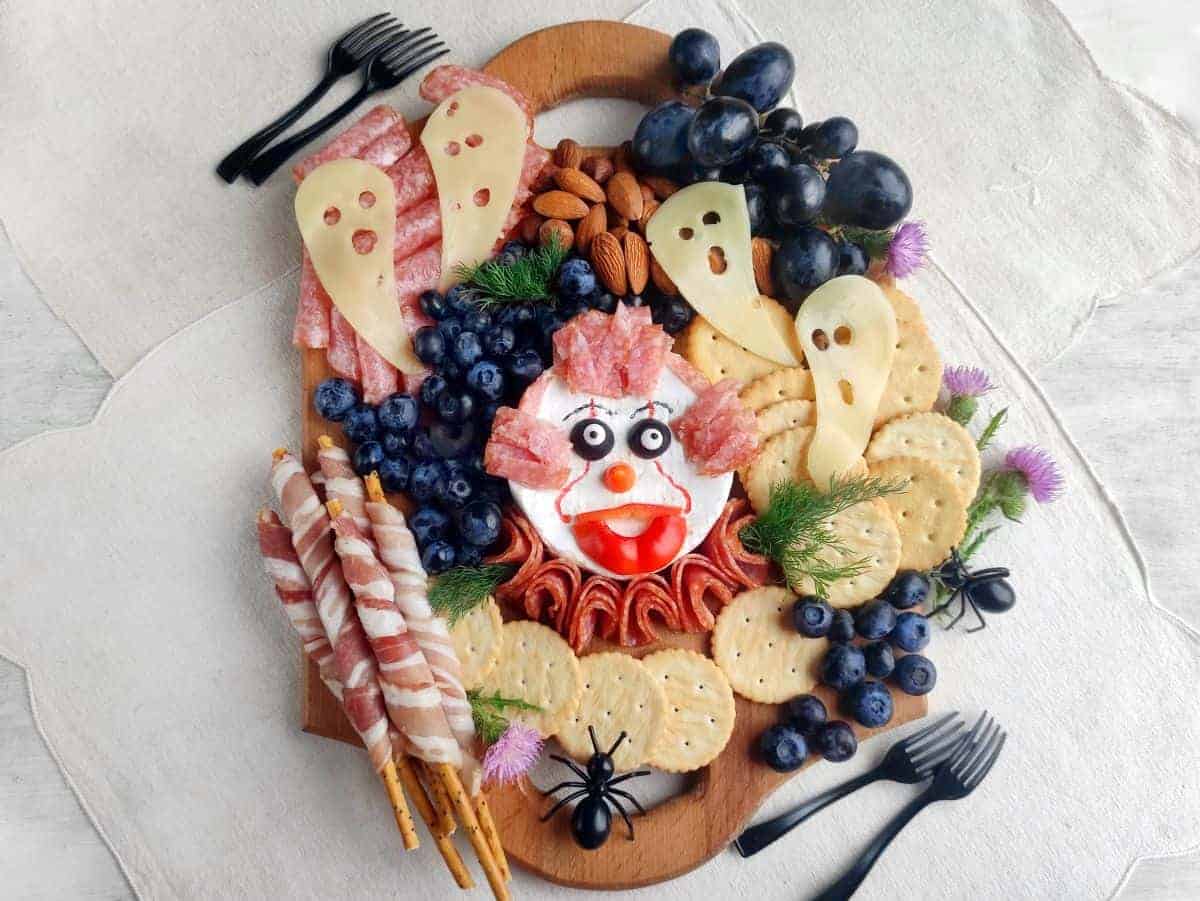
[[712, 217], [453, 148], [333, 215], [820, 340], [452, 108], [843, 335], [474, 140], [716, 260], [847, 391], [364, 240], [686, 234], [366, 200], [482, 196]]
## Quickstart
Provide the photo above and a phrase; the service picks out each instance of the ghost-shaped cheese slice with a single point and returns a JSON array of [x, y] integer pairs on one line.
[[848, 331]]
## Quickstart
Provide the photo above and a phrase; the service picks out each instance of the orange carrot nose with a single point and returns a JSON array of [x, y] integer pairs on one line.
[[619, 477]]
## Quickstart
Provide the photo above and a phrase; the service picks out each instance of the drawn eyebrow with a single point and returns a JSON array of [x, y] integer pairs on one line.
[[652, 403], [589, 406]]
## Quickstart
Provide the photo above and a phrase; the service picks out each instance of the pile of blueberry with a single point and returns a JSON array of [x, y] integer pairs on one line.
[[886, 625], [794, 174], [482, 354]]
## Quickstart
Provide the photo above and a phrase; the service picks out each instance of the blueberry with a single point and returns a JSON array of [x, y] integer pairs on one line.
[[673, 314], [834, 138], [456, 490], [367, 457], [569, 309], [796, 194], [334, 398], [394, 444], [695, 56], [433, 305], [783, 123], [361, 423], [425, 482], [458, 299], [908, 588], [869, 190], [871, 704], [835, 741], [805, 260], [394, 473], [576, 280], [398, 413], [844, 667], [479, 523], [758, 208], [911, 632], [486, 379], [422, 447], [469, 555], [604, 302], [760, 76], [767, 159], [723, 130], [499, 341], [660, 140], [807, 713], [467, 349], [429, 345], [451, 372], [875, 620], [477, 321], [429, 524], [455, 407], [842, 628], [438, 557], [526, 365], [812, 617], [450, 440], [783, 748], [880, 659], [450, 328], [513, 251], [488, 412], [915, 674], [633, 300], [852, 259], [431, 389]]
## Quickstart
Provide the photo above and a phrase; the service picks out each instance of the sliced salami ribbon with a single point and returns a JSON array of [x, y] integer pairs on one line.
[[646, 596], [723, 546], [695, 580], [552, 591], [596, 611]]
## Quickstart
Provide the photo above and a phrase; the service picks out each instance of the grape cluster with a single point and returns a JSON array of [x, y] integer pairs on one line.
[[482, 354], [795, 175]]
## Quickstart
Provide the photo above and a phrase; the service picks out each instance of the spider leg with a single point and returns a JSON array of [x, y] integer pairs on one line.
[[982, 622], [630, 798], [575, 768], [621, 810], [617, 743], [563, 801], [572, 784], [595, 743], [962, 610], [945, 605], [627, 777]]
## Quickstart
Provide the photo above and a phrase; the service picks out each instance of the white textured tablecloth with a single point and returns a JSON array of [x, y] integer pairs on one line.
[[165, 677]]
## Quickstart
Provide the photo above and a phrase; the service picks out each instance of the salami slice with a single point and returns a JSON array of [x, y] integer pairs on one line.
[[343, 347], [718, 432], [379, 377], [695, 581], [611, 355], [418, 227], [522, 548], [350, 142], [312, 314], [646, 598], [687, 373], [412, 177], [551, 593], [527, 450], [596, 608], [723, 546], [443, 81], [389, 147]]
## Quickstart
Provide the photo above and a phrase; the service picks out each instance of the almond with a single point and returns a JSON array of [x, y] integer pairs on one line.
[[619, 232], [637, 262], [650, 210], [556, 226], [625, 195], [591, 225], [661, 280], [529, 227], [761, 253], [575, 182], [560, 205], [662, 187], [616, 220], [623, 157], [568, 154], [608, 259], [600, 168], [647, 192]]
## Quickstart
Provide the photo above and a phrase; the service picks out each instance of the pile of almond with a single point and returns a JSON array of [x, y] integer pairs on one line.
[[598, 204]]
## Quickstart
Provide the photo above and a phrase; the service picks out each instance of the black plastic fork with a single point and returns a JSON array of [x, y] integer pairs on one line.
[[960, 775], [347, 55], [909, 761], [399, 58]]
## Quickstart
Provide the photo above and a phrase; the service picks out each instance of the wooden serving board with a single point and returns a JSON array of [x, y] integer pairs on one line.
[[557, 64]]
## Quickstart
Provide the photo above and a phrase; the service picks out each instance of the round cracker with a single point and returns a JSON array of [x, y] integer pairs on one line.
[[936, 438], [700, 710], [788, 383], [787, 414], [619, 695], [782, 459], [537, 666], [930, 514], [905, 307], [477, 639], [916, 375], [758, 649], [718, 357], [868, 532]]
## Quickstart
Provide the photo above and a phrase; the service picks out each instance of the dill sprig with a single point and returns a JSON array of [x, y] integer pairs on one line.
[[794, 530], [458, 591], [989, 431], [488, 713], [528, 278]]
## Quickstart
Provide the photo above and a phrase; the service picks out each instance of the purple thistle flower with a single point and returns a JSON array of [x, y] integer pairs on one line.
[[512, 755], [907, 250], [966, 381], [1039, 470]]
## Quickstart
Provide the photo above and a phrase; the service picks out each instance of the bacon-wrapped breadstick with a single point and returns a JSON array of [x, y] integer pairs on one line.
[[343, 484]]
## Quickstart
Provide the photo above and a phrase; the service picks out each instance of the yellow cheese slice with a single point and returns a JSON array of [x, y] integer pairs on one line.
[[847, 329], [346, 210], [476, 145], [701, 237]]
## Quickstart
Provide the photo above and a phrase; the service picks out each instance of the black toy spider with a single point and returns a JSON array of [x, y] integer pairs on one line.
[[591, 821], [985, 588]]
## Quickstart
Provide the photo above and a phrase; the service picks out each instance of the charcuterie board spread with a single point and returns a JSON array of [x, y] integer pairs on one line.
[[634, 451]]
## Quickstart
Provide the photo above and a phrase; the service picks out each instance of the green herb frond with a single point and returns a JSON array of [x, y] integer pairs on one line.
[[458, 591], [989, 432], [488, 713], [529, 278], [875, 243]]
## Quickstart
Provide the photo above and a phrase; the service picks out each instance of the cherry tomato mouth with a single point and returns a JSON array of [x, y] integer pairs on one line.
[[628, 555]]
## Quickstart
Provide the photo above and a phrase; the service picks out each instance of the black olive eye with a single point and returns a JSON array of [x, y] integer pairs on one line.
[[649, 439], [592, 439]]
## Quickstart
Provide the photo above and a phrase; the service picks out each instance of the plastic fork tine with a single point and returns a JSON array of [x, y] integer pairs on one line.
[[926, 736], [410, 38], [978, 748], [423, 61], [356, 39], [995, 741], [977, 776], [932, 756], [370, 44], [399, 56], [967, 742], [361, 27]]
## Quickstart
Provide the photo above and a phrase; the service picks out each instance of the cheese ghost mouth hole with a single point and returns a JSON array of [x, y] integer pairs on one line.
[[716, 260], [364, 240], [847, 391]]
